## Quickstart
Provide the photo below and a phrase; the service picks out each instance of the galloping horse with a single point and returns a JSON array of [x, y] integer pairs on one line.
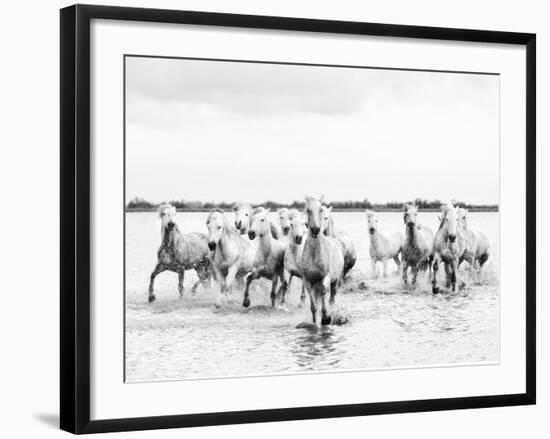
[[322, 262], [233, 255], [344, 241], [383, 247], [179, 252], [417, 250], [477, 243], [293, 252], [449, 246], [269, 258]]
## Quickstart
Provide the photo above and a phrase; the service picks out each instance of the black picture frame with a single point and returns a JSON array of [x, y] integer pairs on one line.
[[75, 217]]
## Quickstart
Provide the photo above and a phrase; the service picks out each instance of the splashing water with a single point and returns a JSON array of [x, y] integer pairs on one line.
[[389, 325]]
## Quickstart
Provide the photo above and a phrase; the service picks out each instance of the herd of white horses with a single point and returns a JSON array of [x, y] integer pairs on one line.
[[306, 245]]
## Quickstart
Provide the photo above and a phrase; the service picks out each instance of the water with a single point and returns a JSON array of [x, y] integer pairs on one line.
[[390, 327]]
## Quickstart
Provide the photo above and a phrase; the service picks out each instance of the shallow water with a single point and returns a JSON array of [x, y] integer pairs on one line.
[[391, 326]]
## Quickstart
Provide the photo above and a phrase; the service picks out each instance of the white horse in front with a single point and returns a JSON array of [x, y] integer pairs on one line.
[[269, 257], [233, 254]]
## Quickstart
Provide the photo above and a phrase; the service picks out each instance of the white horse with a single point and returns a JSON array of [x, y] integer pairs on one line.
[[294, 251], [179, 252], [322, 263], [233, 255], [344, 241], [417, 249], [269, 258], [383, 247], [449, 246], [284, 221], [477, 244]]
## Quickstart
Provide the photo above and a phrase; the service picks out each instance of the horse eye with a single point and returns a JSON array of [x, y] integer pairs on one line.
[[219, 227], [246, 214]]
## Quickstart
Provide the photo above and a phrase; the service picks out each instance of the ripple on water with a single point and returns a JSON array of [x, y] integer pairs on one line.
[[389, 325]]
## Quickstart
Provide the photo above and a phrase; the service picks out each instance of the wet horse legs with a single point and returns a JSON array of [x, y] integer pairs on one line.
[[326, 319], [158, 269]]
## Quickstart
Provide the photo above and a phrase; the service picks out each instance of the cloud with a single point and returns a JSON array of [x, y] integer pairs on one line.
[[262, 89], [278, 131]]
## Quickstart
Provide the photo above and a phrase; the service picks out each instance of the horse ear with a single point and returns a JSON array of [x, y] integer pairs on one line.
[[438, 218], [322, 198], [329, 208], [268, 210]]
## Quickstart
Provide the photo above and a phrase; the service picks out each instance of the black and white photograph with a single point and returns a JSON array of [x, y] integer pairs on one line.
[[294, 218]]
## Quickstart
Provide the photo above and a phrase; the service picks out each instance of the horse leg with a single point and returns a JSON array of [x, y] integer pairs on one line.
[[385, 265], [414, 270], [405, 268], [481, 260], [435, 287], [374, 268], [454, 268], [230, 276], [326, 319], [397, 264], [251, 276], [303, 294], [311, 292], [204, 279], [158, 269], [285, 285], [447, 274], [181, 277], [333, 291], [274, 281]]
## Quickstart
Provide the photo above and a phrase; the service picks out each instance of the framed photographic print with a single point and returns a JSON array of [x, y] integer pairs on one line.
[[274, 218]]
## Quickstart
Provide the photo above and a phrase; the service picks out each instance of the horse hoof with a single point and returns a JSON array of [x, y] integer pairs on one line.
[[326, 320], [152, 298], [246, 302], [435, 290]]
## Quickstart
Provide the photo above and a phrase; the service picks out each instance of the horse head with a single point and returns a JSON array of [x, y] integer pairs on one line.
[[259, 224], [314, 216], [215, 223], [327, 223], [462, 217], [298, 226], [449, 221], [242, 217], [284, 220], [372, 221], [410, 214]]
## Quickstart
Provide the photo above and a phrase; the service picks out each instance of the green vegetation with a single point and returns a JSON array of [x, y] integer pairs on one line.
[[140, 204]]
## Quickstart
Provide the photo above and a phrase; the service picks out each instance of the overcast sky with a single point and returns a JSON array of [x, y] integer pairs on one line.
[[230, 131]]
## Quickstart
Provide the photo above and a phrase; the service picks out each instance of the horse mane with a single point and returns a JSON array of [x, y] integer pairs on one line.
[[370, 213], [211, 214], [163, 207], [258, 210]]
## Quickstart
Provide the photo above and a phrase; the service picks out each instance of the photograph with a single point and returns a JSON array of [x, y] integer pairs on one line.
[[285, 218]]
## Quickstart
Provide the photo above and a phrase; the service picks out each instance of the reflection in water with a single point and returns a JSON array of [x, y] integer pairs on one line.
[[316, 347], [391, 326]]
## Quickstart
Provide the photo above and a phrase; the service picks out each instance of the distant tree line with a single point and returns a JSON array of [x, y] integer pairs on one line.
[[142, 204]]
